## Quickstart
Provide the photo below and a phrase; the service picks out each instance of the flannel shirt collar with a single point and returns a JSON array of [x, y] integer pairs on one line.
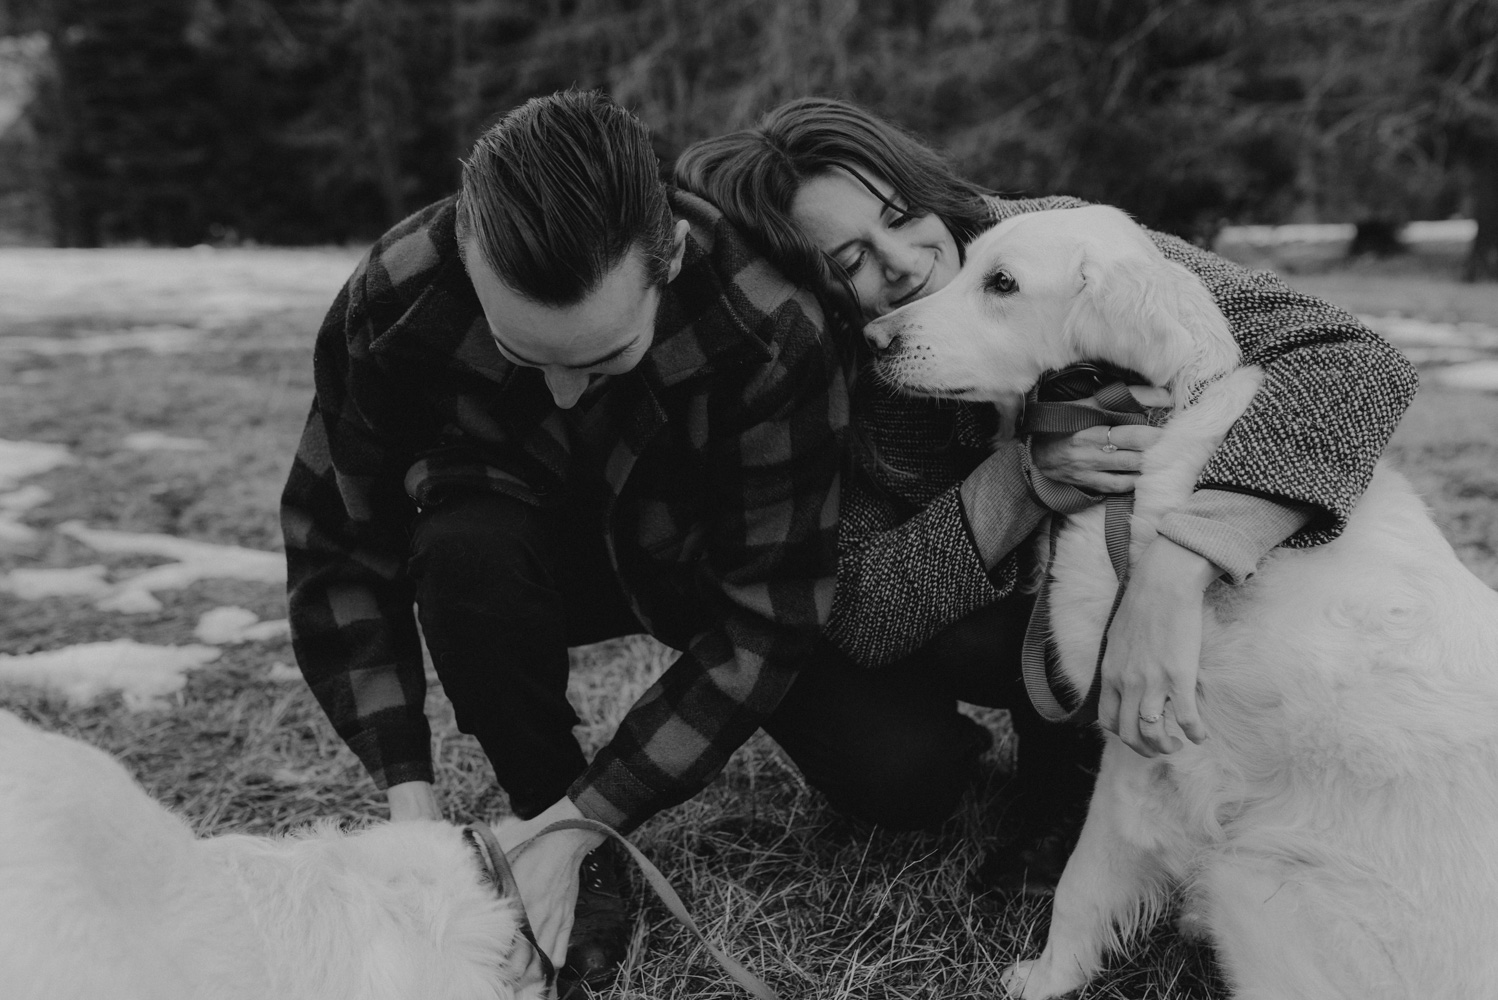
[[714, 314]]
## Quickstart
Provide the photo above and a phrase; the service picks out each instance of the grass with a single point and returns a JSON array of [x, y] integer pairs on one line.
[[819, 906]]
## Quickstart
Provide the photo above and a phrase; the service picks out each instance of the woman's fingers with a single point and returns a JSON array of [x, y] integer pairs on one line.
[[1124, 437]]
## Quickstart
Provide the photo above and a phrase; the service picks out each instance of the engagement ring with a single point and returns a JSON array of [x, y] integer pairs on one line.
[[1110, 446], [1151, 718]]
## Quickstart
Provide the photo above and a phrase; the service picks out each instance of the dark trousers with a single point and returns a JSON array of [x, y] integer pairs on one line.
[[503, 588]]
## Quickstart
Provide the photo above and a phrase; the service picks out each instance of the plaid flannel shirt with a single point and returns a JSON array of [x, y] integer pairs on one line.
[[1333, 393], [716, 464]]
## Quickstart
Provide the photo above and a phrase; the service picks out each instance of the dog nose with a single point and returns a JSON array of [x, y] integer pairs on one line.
[[880, 335]]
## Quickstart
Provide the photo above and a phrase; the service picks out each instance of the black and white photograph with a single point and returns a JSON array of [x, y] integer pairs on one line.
[[776, 499]]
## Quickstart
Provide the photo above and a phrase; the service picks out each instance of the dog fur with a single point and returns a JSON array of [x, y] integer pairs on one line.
[[104, 893], [1337, 834]]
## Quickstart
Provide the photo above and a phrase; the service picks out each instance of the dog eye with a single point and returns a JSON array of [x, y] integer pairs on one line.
[[1001, 282]]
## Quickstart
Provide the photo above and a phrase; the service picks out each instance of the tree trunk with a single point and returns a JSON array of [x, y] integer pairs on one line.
[[1482, 260]]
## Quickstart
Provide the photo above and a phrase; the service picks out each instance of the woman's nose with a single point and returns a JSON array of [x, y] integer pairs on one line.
[[900, 260]]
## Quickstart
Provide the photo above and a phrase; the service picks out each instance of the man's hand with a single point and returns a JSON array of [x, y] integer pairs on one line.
[[413, 800], [547, 873], [1078, 459], [1154, 651]]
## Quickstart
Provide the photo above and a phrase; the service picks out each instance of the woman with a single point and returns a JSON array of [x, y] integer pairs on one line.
[[931, 523]]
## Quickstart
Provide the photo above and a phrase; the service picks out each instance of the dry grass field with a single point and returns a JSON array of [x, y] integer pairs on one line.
[[207, 354]]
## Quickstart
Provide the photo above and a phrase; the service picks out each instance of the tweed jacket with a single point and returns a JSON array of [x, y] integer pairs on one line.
[[714, 464], [1333, 392]]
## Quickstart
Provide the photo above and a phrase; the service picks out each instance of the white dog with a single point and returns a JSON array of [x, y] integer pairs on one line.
[[1338, 833], [104, 893]]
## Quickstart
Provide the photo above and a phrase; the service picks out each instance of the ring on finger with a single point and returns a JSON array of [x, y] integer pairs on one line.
[[1150, 720], [1109, 447]]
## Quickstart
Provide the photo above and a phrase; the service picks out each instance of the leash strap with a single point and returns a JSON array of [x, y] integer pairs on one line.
[[1112, 405], [492, 857], [662, 888]]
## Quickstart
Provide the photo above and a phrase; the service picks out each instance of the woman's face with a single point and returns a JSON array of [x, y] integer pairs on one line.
[[892, 256]]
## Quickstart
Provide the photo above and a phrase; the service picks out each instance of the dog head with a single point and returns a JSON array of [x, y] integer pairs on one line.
[[1045, 290]]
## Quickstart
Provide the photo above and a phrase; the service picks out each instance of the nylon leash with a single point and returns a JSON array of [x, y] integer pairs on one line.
[[492, 856], [1114, 405], [658, 883]]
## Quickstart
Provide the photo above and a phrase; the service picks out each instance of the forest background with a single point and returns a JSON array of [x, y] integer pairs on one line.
[[313, 121]]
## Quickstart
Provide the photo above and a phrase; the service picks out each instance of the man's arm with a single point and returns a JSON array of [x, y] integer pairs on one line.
[[345, 517], [772, 455]]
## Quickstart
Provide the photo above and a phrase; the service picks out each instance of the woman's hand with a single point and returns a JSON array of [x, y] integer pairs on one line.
[[1154, 651], [1079, 459]]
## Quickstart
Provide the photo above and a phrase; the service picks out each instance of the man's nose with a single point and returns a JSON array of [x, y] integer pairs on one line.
[[566, 386]]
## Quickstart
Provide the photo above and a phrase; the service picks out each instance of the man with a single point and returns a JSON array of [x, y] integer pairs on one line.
[[565, 405]]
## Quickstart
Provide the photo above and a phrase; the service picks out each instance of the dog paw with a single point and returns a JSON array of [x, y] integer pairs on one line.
[[1033, 980]]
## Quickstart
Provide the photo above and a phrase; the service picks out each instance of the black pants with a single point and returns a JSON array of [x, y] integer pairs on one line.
[[504, 588]]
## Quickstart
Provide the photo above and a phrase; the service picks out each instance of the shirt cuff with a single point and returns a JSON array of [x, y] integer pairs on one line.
[[999, 509], [1233, 531], [395, 753]]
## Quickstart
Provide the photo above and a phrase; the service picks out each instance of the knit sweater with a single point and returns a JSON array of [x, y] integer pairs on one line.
[[913, 558]]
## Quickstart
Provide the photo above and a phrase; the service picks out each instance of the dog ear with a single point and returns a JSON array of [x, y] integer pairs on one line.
[[1150, 315]]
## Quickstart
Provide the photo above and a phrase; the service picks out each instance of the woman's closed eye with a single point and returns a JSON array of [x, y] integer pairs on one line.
[[851, 266]]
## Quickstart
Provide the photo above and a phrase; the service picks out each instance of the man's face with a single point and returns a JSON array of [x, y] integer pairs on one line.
[[607, 333]]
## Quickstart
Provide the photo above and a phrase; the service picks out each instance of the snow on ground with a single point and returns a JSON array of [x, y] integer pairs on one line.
[[20, 460], [155, 339], [191, 561], [1471, 375], [35, 584], [229, 625], [23, 459], [1459, 355], [157, 441], [144, 674], [201, 287], [1433, 231]]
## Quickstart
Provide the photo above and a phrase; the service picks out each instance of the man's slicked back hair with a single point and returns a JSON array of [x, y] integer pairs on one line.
[[559, 191]]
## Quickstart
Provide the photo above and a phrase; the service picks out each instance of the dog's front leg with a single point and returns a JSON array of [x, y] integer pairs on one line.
[[1108, 880]]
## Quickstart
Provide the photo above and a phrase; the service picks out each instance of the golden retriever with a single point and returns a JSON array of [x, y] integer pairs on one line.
[[104, 893], [1338, 833]]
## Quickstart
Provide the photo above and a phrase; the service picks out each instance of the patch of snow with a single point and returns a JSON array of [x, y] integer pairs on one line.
[[1481, 375], [35, 584], [1425, 231], [155, 339], [1405, 331], [283, 674], [145, 675], [204, 288], [192, 561], [24, 499], [13, 532], [22, 459], [157, 441], [222, 626]]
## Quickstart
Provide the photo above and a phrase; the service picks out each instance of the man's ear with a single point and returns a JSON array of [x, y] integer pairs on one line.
[[678, 249]]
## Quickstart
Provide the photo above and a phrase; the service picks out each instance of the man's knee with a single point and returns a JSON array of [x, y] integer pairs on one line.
[[479, 542], [909, 784]]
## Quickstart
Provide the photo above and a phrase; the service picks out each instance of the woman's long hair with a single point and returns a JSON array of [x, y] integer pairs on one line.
[[753, 175]]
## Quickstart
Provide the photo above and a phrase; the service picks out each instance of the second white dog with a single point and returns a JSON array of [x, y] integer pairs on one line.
[[1339, 830], [104, 893]]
